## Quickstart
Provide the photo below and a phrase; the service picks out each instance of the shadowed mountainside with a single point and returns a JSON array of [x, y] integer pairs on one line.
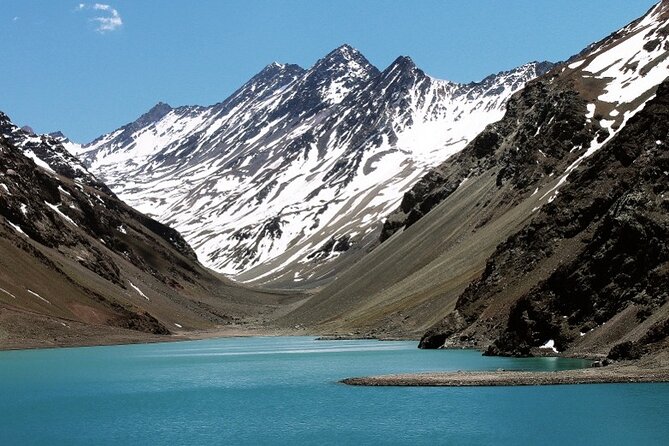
[[80, 266]]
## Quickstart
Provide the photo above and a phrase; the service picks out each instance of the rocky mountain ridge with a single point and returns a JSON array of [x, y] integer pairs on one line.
[[613, 258], [49, 152], [595, 252], [79, 265], [614, 78], [286, 181]]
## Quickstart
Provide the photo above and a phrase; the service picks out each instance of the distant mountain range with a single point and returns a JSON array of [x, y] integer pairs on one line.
[[288, 180]]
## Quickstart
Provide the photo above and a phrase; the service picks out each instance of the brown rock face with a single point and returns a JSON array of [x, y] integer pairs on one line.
[[606, 235], [79, 266]]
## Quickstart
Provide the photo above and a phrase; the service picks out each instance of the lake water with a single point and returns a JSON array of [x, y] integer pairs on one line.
[[284, 391]]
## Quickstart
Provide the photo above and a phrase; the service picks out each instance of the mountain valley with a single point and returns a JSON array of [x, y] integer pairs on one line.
[[80, 266], [522, 215]]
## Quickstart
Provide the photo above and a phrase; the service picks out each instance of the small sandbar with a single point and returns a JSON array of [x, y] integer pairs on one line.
[[515, 378]]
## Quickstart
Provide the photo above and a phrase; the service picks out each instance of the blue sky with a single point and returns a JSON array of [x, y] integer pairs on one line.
[[87, 69]]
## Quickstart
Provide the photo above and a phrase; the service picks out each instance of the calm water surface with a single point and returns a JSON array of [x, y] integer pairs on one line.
[[285, 391]]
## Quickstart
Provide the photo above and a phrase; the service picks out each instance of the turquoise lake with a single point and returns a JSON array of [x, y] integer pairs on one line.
[[284, 390]]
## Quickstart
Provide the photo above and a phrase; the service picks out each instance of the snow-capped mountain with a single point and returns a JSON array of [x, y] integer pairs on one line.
[[615, 77], [78, 263], [550, 228], [551, 225], [297, 166], [50, 152]]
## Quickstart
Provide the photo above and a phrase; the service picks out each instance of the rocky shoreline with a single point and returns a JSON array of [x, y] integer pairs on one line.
[[98, 336], [613, 375]]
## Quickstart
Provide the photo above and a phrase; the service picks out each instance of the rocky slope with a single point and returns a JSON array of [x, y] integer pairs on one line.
[[606, 239], [77, 264], [286, 181], [49, 152], [520, 240], [590, 272], [614, 77]]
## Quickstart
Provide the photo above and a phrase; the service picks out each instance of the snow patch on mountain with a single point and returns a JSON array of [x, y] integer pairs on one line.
[[623, 74]]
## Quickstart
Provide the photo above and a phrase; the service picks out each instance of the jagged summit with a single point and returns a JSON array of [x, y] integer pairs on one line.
[[270, 78], [155, 113], [340, 72], [277, 68], [28, 129], [159, 109], [402, 63], [296, 169], [345, 58], [344, 48], [537, 68], [49, 152], [541, 66], [401, 70], [275, 65], [59, 135], [345, 53], [514, 78]]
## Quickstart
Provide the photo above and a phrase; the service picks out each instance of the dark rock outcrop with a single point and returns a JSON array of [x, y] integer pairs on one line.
[[72, 251], [607, 233]]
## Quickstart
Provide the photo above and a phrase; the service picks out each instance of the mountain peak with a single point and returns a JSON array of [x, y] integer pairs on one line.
[[515, 78], [345, 50], [28, 129], [273, 76], [403, 68], [533, 69], [542, 67], [154, 114], [346, 58], [404, 61], [58, 135], [276, 68], [160, 107], [337, 74]]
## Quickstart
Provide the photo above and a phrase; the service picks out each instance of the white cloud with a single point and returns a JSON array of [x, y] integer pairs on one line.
[[110, 21], [16, 19]]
